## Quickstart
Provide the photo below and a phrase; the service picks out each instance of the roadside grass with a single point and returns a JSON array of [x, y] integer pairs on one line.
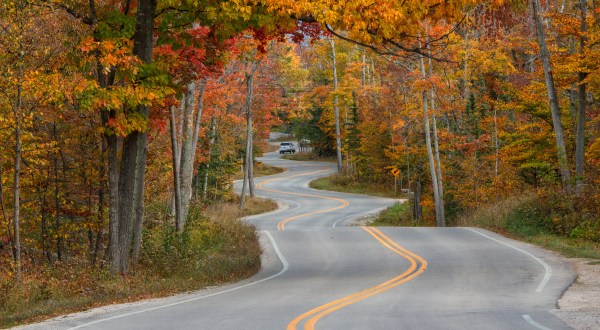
[[309, 156], [217, 248], [519, 218], [260, 169], [344, 184], [395, 215]]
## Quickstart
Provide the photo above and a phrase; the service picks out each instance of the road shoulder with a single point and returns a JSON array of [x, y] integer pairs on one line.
[[579, 307]]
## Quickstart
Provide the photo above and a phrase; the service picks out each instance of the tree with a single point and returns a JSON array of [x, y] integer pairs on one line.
[[336, 109], [552, 96]]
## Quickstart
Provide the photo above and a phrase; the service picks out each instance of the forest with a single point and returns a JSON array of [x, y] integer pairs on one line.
[[121, 121]]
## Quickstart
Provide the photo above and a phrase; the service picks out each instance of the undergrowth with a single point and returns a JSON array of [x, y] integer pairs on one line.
[[538, 219], [216, 248]]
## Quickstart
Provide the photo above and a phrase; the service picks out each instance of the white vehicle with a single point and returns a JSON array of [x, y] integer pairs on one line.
[[287, 147]]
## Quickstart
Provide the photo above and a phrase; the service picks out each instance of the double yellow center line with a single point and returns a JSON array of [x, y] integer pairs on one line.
[[417, 266], [282, 223]]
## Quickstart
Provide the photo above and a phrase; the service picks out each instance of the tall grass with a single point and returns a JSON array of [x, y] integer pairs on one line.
[[527, 218]]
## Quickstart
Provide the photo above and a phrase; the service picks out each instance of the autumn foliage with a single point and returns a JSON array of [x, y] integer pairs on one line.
[[100, 99]]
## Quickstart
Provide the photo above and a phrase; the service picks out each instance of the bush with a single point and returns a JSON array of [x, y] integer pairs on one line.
[[216, 246], [573, 215]]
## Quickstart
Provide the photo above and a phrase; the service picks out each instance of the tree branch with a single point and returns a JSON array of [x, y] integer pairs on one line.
[[83, 18]]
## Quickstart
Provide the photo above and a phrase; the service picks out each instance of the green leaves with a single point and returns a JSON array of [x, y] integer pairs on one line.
[[113, 25]]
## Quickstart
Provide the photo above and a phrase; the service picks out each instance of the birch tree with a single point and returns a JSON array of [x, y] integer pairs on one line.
[[559, 134], [336, 108]]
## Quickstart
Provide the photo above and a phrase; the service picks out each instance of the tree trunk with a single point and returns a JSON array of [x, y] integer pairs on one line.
[[417, 210], [186, 155], [17, 186], [112, 142], [102, 171], [127, 193], [133, 159], [211, 142], [244, 182], [191, 128], [439, 215], [552, 96], [196, 133], [581, 93], [57, 230], [248, 168], [336, 109], [176, 181], [436, 146]]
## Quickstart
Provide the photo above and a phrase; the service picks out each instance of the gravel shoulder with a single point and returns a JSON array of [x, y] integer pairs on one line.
[[579, 306]]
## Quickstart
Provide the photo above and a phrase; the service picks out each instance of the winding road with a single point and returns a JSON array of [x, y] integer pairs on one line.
[[321, 272]]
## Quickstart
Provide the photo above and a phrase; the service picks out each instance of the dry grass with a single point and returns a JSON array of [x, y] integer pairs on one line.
[[217, 248], [495, 216], [520, 217], [231, 210], [345, 184], [260, 169]]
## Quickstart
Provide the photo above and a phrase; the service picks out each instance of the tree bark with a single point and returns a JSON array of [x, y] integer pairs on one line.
[[552, 96], [191, 128], [440, 183], [439, 215], [16, 183], [195, 135], [176, 181], [133, 159], [581, 93], [57, 230], [248, 168], [112, 142], [211, 142], [187, 156], [336, 109]]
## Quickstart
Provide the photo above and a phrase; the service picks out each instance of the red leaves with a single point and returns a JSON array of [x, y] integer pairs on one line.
[[192, 54]]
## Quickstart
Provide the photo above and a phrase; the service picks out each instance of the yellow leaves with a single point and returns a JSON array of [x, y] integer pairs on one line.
[[399, 124], [593, 153], [110, 53]]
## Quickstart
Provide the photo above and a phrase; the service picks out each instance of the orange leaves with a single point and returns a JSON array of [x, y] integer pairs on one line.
[[370, 21], [110, 54]]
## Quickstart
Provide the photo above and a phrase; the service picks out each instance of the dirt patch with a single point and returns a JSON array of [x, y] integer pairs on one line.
[[580, 304]]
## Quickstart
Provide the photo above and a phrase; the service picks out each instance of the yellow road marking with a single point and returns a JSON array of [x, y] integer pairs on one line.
[[282, 223], [413, 271]]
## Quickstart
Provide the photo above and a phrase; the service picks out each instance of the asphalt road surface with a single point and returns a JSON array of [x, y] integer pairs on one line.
[[321, 272]]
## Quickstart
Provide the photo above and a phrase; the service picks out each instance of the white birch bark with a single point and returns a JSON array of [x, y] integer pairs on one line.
[[552, 96], [248, 168], [176, 182], [440, 221], [336, 109]]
